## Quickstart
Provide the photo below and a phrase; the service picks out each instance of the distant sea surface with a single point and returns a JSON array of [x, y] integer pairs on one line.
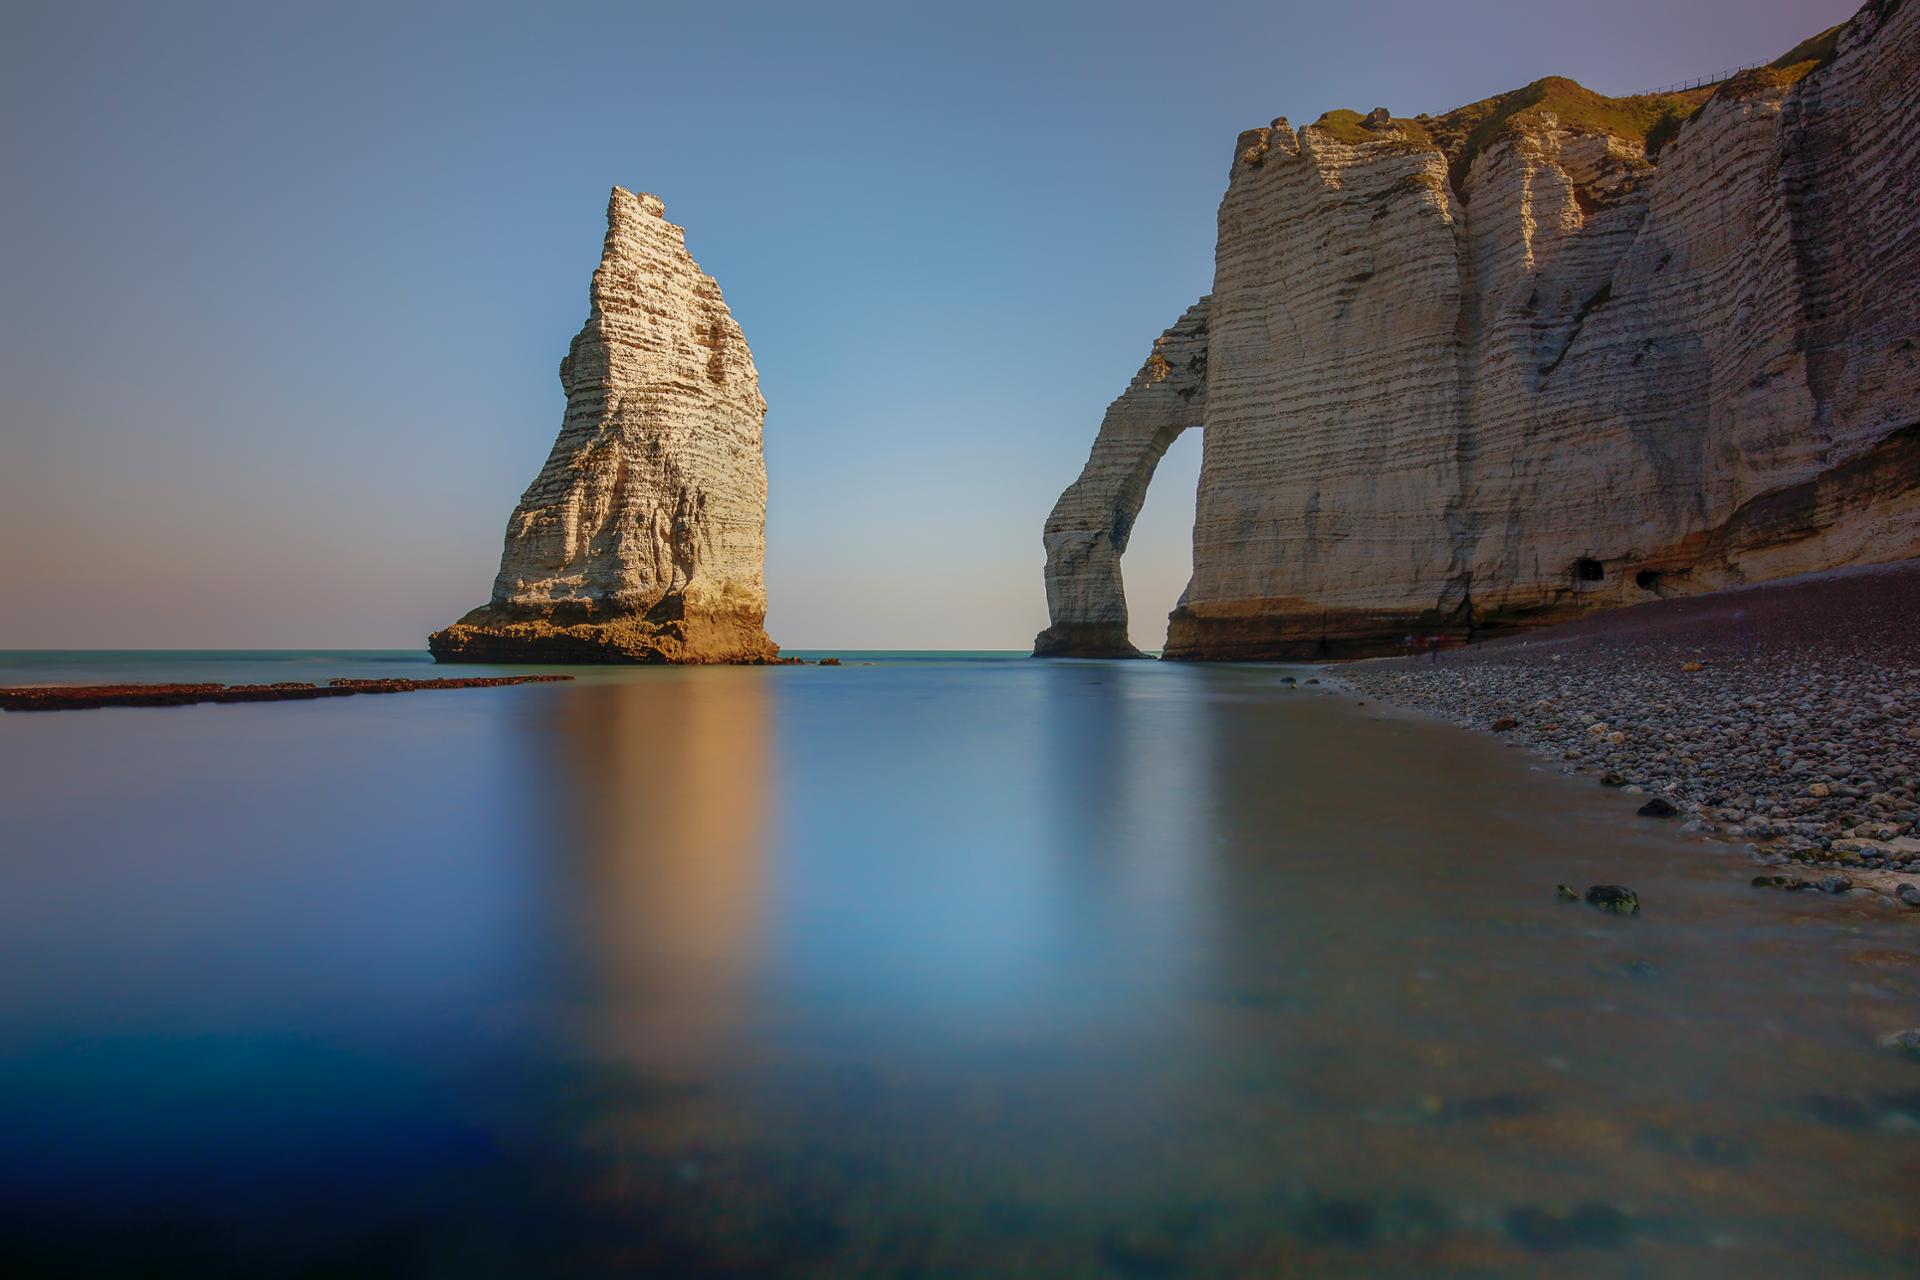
[[266, 666], [948, 965]]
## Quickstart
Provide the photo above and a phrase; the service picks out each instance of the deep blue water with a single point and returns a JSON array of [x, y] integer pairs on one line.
[[943, 966]]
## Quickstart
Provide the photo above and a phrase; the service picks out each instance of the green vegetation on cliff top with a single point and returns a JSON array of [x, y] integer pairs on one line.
[[1653, 119], [1464, 132], [1350, 127]]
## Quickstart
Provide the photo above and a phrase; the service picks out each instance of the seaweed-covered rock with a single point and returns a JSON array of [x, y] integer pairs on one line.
[[1616, 898]]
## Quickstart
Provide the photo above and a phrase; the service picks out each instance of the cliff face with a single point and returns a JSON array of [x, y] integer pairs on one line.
[[1090, 525], [643, 537], [1556, 352]]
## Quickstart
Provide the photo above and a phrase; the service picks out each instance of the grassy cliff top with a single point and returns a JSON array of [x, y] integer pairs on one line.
[[1653, 119], [1790, 67], [1650, 118], [1464, 132], [1351, 127]]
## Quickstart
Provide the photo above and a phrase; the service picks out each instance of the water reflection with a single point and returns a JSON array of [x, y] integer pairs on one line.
[[661, 787], [1020, 969]]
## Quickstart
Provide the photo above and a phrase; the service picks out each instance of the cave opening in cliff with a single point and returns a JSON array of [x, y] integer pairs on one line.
[[1159, 556], [1587, 569]]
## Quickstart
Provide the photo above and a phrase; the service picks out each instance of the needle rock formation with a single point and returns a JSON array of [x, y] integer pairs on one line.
[[1545, 354], [643, 537]]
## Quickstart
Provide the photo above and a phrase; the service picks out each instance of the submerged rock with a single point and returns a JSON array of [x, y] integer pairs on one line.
[[1658, 807], [1145, 1252], [1903, 1042], [643, 537], [1616, 898], [1335, 1221], [1840, 1113], [1591, 1225], [1706, 1147]]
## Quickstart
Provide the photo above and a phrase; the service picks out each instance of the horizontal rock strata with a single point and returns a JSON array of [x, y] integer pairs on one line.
[[1555, 353], [1091, 524], [643, 537]]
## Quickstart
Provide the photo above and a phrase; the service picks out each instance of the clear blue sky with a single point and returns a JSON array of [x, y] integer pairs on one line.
[[283, 287]]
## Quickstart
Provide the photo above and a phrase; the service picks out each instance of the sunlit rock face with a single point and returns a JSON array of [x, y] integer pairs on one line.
[[643, 537], [1093, 520], [1555, 352]]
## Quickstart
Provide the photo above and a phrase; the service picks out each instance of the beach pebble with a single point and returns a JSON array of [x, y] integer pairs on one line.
[[1616, 898], [1800, 741], [1907, 1042]]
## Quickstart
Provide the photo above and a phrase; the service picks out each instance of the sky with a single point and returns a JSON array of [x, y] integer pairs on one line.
[[284, 288]]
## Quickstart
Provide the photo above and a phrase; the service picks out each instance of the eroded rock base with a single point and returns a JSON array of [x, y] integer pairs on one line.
[[1085, 640], [1865, 511], [582, 635]]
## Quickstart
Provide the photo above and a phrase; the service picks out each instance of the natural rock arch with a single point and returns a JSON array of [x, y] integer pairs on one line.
[[1090, 526]]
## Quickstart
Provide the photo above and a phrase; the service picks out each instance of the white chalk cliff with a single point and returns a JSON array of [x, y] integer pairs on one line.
[[1548, 353], [1091, 524], [644, 535]]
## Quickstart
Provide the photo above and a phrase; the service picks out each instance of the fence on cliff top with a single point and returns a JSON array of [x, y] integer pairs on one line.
[[1700, 82]]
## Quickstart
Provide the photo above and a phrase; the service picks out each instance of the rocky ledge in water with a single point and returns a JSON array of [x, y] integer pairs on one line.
[[643, 538], [1781, 716], [87, 697]]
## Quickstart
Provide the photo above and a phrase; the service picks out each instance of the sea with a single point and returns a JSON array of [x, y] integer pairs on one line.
[[925, 965]]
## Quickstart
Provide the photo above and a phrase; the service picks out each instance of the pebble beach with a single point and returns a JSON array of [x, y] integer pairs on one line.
[[1780, 717]]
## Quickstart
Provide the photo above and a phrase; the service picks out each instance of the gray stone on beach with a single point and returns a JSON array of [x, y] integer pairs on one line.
[[1906, 1042]]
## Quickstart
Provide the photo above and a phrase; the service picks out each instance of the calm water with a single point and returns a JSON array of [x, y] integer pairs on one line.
[[949, 967]]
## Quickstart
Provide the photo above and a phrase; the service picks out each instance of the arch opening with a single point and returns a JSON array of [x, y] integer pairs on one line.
[[1158, 561]]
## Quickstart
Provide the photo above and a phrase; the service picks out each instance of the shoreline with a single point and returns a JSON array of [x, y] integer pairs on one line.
[[1779, 717]]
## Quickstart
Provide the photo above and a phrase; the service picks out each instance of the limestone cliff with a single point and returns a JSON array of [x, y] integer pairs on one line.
[[1090, 525], [1550, 353], [643, 537]]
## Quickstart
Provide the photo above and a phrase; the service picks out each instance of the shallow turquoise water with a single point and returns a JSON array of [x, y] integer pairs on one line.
[[966, 965]]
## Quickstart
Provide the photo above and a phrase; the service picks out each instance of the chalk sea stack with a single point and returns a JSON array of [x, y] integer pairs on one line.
[[643, 538], [1545, 354]]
